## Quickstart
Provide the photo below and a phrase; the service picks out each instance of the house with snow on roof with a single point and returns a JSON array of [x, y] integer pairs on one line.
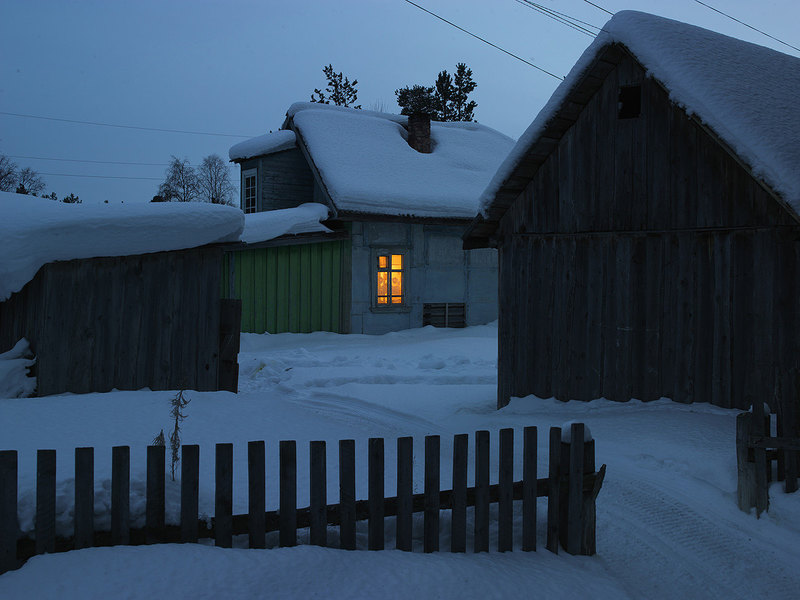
[[399, 192], [647, 224]]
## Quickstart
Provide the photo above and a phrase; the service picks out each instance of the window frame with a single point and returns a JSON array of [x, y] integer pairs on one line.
[[377, 253], [246, 174]]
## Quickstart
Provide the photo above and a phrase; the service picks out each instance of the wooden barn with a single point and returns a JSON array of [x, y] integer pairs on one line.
[[400, 192], [647, 224], [119, 297]]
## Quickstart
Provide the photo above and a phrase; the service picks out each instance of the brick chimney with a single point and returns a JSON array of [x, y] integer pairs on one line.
[[419, 132]]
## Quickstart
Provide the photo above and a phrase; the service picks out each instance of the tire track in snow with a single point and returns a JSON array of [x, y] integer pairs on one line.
[[646, 526]]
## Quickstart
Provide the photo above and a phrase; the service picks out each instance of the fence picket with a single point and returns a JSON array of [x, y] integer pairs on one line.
[[9, 528], [375, 484], [288, 493], [347, 494], [223, 496], [405, 492], [505, 508], [575, 490], [154, 512], [554, 491], [760, 454], [458, 532], [481, 491], [190, 486], [45, 501], [256, 494], [432, 484], [120, 495], [318, 500], [84, 497], [529, 491]]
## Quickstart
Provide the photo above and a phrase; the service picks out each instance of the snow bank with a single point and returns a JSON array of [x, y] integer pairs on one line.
[[744, 92], [263, 226], [367, 165], [35, 231], [14, 365], [268, 143]]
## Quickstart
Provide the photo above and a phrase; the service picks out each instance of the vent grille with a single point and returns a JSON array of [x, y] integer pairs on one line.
[[444, 314]]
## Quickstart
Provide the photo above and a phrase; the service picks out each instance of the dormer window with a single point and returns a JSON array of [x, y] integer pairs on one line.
[[250, 191]]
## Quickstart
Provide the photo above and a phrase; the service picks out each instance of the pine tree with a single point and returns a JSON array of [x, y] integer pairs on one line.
[[417, 99], [464, 86], [447, 100], [340, 90]]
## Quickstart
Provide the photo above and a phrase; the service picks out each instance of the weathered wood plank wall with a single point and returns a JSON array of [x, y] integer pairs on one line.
[[125, 322], [643, 261]]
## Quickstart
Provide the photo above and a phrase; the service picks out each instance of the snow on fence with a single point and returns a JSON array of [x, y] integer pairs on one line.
[[756, 450], [571, 489]]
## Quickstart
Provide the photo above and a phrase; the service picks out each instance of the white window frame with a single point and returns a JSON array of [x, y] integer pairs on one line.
[[244, 204]]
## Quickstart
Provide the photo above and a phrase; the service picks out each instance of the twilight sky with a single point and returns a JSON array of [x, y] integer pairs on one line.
[[235, 67]]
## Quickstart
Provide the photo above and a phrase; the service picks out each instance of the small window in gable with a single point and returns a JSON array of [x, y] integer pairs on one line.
[[630, 101], [390, 283], [250, 191]]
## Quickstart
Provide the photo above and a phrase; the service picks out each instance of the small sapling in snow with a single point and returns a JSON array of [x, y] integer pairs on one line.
[[179, 402]]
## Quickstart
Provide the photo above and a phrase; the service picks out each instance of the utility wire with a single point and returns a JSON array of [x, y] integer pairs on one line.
[[100, 176], [477, 37], [566, 16], [12, 114], [101, 162], [772, 37], [600, 7], [556, 16]]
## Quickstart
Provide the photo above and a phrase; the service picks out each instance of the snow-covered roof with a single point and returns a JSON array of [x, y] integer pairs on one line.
[[35, 231], [367, 166], [263, 226], [747, 94], [269, 143]]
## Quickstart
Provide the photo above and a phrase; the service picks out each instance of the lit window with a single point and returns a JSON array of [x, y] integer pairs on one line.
[[390, 279], [249, 195]]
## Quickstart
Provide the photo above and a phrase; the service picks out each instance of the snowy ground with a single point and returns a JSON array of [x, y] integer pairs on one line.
[[668, 525]]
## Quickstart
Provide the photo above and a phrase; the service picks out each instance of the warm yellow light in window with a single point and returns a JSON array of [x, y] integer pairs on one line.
[[397, 284], [397, 262], [383, 262], [383, 283]]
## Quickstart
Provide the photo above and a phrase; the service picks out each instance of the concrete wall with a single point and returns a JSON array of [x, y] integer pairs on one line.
[[437, 270]]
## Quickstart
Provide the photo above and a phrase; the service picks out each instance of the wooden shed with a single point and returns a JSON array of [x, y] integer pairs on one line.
[[128, 320], [648, 227]]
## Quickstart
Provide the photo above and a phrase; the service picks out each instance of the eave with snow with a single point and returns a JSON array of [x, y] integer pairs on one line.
[[646, 224], [393, 203]]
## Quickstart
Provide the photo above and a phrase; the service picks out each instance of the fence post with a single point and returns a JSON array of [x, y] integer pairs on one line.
[[481, 491], [84, 497], [347, 494], [154, 512], [375, 501], [287, 515], [432, 484], [223, 496], [505, 504], [190, 484], [120, 495], [9, 527], [256, 490], [746, 469], [405, 492], [458, 532], [45, 501], [575, 490], [529, 491], [318, 496], [760, 457], [554, 491]]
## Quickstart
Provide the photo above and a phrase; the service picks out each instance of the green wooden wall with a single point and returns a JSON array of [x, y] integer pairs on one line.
[[295, 288]]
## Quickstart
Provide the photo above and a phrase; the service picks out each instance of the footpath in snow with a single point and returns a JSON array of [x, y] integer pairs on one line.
[[667, 521]]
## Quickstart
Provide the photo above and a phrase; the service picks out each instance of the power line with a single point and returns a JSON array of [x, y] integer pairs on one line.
[[100, 176], [600, 7], [558, 17], [78, 160], [772, 37], [12, 114], [477, 37]]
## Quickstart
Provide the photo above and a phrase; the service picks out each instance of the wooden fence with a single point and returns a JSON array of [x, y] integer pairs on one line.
[[571, 488], [756, 452]]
